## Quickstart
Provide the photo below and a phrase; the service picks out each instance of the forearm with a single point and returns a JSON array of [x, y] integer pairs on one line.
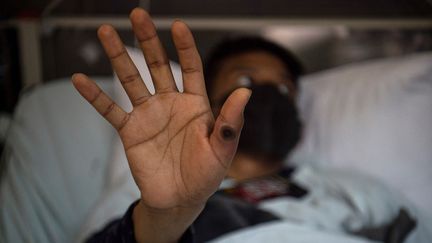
[[162, 226]]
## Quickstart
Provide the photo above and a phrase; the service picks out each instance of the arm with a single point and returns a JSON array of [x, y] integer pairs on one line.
[[177, 151]]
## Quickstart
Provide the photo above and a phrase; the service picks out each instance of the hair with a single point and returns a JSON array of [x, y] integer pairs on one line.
[[234, 46]]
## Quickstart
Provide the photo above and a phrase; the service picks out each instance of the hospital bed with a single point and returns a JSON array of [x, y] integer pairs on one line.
[[64, 174]]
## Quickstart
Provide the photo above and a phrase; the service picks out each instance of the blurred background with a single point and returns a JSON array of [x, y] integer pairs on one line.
[[42, 40]]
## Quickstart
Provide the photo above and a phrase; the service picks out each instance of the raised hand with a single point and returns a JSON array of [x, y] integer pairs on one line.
[[178, 154]]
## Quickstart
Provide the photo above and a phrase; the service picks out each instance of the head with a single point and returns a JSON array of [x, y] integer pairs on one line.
[[232, 58], [271, 126]]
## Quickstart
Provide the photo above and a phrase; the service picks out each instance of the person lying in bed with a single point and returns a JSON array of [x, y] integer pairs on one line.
[[181, 146]]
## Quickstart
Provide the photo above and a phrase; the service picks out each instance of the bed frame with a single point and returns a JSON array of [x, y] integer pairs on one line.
[[30, 30]]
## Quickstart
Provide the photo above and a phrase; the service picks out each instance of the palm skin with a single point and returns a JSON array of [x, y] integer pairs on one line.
[[166, 140], [177, 151]]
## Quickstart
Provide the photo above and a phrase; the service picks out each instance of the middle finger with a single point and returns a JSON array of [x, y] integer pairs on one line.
[[154, 53], [124, 67]]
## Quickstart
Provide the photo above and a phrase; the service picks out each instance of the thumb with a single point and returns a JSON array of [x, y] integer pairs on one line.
[[226, 132]]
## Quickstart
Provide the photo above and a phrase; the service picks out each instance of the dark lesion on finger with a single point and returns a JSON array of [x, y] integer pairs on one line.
[[228, 133]]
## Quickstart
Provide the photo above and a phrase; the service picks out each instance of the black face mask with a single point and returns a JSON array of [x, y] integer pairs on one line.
[[272, 127]]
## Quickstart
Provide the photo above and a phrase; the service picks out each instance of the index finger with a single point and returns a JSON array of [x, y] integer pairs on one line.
[[100, 101]]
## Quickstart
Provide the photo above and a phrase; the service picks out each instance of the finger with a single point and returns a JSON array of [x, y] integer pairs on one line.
[[226, 132], [154, 53], [123, 65], [190, 60], [100, 101]]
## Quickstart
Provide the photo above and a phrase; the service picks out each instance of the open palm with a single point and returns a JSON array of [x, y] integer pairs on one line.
[[177, 152]]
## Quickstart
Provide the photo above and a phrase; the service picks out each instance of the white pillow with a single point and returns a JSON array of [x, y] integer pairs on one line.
[[55, 164], [373, 117]]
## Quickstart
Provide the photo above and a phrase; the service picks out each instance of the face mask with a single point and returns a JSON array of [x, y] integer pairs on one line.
[[272, 127]]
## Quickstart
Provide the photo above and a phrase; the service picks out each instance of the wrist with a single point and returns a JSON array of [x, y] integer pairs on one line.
[[162, 225]]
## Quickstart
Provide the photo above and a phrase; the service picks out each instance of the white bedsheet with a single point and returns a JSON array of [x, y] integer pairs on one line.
[[341, 201], [287, 232]]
